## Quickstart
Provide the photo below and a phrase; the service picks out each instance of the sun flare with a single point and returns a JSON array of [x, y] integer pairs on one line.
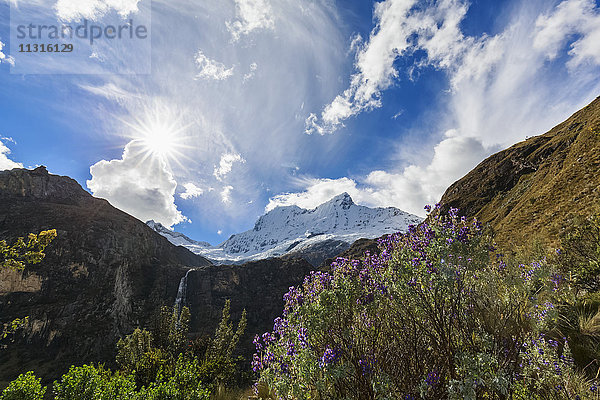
[[160, 141], [159, 135]]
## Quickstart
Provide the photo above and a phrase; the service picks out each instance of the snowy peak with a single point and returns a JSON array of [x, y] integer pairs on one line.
[[343, 201], [291, 228], [176, 238]]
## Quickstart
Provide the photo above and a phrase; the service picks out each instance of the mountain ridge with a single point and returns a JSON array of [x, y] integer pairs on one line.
[[537, 187], [291, 229]]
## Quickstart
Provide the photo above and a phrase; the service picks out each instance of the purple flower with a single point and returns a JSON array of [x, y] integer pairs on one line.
[[433, 378], [556, 279], [291, 349], [328, 358], [302, 337], [453, 212], [256, 363], [366, 366], [267, 338], [257, 343]]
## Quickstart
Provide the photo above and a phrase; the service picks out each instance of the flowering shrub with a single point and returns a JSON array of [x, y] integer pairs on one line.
[[436, 314]]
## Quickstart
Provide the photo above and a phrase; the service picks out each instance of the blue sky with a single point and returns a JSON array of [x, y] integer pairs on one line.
[[252, 104]]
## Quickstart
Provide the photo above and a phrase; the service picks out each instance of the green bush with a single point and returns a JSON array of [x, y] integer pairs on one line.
[[25, 251], [25, 387], [438, 314], [137, 356], [181, 384], [80, 383], [219, 367], [166, 361], [93, 383], [580, 253]]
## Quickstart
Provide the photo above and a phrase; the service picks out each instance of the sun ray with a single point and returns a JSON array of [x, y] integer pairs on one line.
[[159, 135]]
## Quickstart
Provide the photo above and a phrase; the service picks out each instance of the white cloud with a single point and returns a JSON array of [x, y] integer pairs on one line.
[[226, 165], [226, 194], [211, 69], [317, 191], [141, 186], [111, 91], [191, 191], [374, 65], [219, 232], [251, 15], [4, 58], [409, 189], [416, 186], [71, 10], [398, 114], [5, 162], [250, 75], [400, 29], [501, 90], [571, 17]]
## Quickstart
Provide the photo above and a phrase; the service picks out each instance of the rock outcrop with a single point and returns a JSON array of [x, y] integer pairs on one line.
[[257, 287], [105, 274]]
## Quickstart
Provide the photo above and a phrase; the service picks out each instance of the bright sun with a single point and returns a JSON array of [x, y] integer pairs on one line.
[[160, 141], [159, 135]]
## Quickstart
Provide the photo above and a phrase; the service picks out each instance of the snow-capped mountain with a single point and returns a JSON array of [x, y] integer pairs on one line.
[[178, 239], [293, 229]]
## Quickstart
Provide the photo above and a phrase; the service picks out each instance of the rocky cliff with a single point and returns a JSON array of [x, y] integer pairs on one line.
[[257, 286], [104, 274]]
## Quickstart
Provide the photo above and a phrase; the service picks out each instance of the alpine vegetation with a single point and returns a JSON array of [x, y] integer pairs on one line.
[[438, 314]]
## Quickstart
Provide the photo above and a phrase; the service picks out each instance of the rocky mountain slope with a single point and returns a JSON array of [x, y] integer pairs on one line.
[[314, 234], [536, 188], [104, 274], [107, 273]]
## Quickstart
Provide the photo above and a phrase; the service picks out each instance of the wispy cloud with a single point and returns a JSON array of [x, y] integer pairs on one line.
[[396, 23], [501, 88], [226, 194], [250, 74], [212, 69], [70, 10], [226, 165], [251, 15], [572, 17], [191, 191]]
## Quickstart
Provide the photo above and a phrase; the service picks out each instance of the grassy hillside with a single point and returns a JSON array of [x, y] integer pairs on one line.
[[536, 188]]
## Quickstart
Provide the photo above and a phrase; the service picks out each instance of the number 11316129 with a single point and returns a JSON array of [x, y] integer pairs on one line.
[[45, 48]]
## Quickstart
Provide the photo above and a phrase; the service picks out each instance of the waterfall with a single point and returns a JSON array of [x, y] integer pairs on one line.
[[181, 298]]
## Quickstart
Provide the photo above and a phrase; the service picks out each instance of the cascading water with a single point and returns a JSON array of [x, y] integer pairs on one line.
[[181, 298]]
